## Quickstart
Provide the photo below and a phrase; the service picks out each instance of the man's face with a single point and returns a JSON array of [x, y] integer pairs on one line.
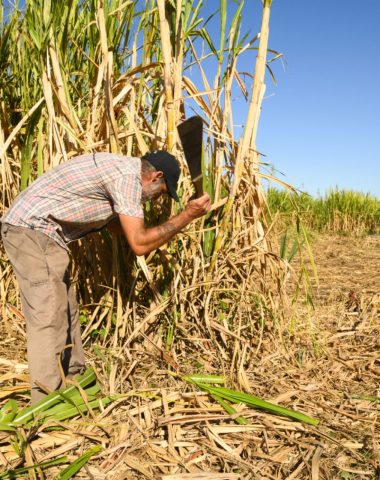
[[153, 186]]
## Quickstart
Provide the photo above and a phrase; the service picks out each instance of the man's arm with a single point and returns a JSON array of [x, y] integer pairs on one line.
[[143, 240]]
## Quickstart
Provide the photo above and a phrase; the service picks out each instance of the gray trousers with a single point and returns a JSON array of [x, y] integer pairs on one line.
[[49, 306]]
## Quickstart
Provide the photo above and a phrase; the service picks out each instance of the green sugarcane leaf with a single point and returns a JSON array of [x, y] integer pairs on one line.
[[235, 396], [204, 378], [295, 248], [230, 410], [283, 245], [32, 412], [275, 57], [35, 38], [77, 398], [28, 414], [193, 21], [83, 381], [8, 412], [4, 427], [73, 411], [271, 74], [20, 472], [223, 21], [205, 35], [75, 466], [235, 27], [76, 401], [67, 400]]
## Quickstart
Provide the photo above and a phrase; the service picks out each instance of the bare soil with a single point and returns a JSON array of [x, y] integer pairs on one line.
[[339, 358], [347, 266]]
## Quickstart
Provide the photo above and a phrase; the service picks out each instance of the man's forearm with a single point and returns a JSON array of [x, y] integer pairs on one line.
[[155, 237], [143, 240]]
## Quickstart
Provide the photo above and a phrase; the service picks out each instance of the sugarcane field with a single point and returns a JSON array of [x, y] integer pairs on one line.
[[172, 305]]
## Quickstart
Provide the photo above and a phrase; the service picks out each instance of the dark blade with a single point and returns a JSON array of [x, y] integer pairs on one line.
[[190, 133]]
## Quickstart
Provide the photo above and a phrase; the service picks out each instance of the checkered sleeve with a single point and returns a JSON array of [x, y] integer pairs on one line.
[[125, 193]]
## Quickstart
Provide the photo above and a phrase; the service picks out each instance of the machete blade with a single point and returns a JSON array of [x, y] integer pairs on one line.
[[191, 134]]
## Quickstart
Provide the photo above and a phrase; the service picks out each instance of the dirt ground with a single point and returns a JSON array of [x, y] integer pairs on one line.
[[344, 369], [327, 365], [347, 266]]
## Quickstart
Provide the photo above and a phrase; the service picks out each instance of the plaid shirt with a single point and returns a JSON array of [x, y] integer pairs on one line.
[[80, 196]]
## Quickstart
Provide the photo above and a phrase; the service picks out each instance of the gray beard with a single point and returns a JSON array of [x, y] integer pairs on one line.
[[148, 193]]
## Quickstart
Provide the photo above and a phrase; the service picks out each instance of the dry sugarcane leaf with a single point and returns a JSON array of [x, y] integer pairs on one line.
[[202, 476]]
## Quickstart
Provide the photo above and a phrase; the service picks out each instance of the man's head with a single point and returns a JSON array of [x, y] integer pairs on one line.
[[159, 174]]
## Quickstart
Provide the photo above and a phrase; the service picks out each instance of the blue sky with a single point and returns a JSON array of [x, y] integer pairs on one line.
[[320, 125]]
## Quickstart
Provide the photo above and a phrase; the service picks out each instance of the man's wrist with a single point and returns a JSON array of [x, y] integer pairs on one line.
[[186, 217]]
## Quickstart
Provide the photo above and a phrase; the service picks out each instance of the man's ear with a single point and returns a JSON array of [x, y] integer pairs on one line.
[[157, 175]]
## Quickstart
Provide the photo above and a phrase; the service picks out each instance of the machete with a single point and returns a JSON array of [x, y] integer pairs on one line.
[[191, 135]]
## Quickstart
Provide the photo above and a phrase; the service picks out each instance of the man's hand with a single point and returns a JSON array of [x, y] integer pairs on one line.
[[199, 206], [143, 240]]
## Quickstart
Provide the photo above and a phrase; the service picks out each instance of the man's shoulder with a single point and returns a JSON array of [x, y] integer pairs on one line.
[[123, 163], [133, 163]]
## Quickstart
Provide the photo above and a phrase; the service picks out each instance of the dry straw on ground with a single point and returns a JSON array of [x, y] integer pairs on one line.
[[327, 367]]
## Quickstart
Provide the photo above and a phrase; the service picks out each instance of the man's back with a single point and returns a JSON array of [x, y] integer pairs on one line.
[[80, 196]]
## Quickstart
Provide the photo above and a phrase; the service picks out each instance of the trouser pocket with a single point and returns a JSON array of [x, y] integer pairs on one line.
[[25, 252]]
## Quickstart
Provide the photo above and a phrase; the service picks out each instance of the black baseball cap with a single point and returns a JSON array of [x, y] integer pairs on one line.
[[166, 163]]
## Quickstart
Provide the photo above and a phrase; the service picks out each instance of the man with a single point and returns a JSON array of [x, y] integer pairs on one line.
[[66, 203]]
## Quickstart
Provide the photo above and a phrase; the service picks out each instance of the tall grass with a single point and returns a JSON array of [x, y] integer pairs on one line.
[[112, 75], [338, 211]]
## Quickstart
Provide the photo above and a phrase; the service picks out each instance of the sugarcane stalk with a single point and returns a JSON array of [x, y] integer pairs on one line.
[[168, 84], [108, 62], [249, 133]]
